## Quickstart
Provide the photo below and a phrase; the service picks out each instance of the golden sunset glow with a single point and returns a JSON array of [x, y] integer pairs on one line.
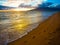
[[22, 9], [18, 23]]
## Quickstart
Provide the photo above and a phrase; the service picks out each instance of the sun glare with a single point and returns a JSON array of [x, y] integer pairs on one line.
[[22, 9]]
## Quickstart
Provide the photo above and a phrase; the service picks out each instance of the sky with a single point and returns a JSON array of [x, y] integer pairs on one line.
[[18, 2], [53, 1], [2, 1]]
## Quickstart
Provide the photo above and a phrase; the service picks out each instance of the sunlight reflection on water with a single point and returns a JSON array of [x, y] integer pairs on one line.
[[17, 24]]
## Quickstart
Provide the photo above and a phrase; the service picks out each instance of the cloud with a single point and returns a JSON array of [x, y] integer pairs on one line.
[[16, 3]]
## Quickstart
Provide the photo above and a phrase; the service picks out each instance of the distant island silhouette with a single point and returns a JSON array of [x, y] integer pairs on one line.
[[4, 7]]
